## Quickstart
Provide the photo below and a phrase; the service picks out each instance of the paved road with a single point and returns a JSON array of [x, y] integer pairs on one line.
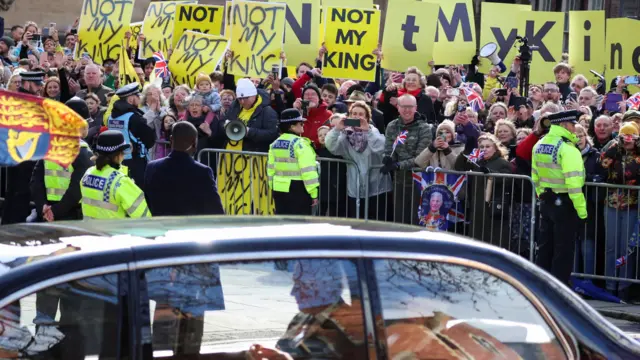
[[631, 328]]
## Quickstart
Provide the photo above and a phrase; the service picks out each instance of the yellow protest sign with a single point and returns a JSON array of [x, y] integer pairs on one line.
[[622, 48], [227, 17], [195, 53], [102, 26], [158, 26], [586, 41], [126, 75], [499, 25], [302, 23], [206, 19], [136, 29], [410, 28], [351, 35], [256, 35], [456, 32], [544, 30], [243, 186]]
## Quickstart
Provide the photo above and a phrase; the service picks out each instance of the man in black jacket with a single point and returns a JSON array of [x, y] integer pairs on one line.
[[56, 190], [127, 118]]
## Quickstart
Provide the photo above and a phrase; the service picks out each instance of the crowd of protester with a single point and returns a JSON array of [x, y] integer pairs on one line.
[[442, 121]]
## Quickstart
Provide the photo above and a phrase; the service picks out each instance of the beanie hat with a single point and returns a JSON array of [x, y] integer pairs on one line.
[[630, 115], [245, 88], [201, 78], [448, 125], [8, 41], [79, 106], [629, 129], [313, 87]]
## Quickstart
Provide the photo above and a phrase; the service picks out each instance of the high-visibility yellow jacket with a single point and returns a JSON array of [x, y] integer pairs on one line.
[[557, 165], [292, 157], [57, 178], [110, 194]]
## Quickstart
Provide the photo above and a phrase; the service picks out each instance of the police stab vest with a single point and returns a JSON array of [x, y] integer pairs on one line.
[[121, 123]]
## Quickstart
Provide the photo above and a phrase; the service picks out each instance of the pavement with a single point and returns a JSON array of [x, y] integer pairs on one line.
[[624, 316]]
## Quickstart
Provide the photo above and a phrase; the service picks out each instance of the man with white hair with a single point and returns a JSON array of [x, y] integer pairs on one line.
[[93, 79]]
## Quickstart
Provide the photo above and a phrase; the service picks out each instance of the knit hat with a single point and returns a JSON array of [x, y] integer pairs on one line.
[[629, 129], [201, 78], [448, 125], [79, 106], [245, 88], [8, 41], [631, 115], [312, 87], [356, 96], [287, 81]]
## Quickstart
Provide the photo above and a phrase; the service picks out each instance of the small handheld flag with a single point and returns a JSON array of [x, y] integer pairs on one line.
[[475, 155], [401, 139]]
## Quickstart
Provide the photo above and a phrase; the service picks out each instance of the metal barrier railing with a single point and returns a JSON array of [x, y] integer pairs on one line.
[[607, 248], [496, 208], [245, 192]]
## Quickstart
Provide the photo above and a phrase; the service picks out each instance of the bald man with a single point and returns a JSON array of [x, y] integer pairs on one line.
[[177, 184], [93, 78]]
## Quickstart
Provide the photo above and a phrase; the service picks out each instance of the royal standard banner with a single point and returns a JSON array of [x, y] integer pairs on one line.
[[34, 128]]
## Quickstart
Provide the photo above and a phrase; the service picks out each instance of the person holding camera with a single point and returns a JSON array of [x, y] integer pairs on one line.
[[443, 151], [314, 109], [558, 174], [294, 183]]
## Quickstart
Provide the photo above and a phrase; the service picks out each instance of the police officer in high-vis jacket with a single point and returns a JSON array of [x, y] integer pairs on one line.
[[292, 168], [558, 174], [55, 190], [107, 193], [129, 120]]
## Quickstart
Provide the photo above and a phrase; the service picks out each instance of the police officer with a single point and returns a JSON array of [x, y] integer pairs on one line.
[[129, 120], [56, 190], [558, 174], [292, 169], [107, 193], [17, 206]]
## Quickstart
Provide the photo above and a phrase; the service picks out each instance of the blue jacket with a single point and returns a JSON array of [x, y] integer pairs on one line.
[[178, 185]]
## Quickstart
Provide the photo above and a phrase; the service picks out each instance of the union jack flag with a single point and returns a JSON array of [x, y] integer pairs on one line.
[[473, 98], [401, 139], [475, 155], [453, 183], [634, 101], [161, 70]]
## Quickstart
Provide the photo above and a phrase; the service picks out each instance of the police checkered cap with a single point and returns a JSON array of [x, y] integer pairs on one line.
[[128, 90], [111, 141], [35, 76], [564, 116], [291, 116]]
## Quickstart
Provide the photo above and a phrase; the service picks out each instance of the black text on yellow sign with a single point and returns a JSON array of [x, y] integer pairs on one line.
[[351, 35], [257, 33], [200, 18], [158, 27], [195, 53], [103, 24]]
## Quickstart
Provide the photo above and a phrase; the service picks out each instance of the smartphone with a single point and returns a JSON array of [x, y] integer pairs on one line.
[[275, 70], [501, 92], [453, 92], [73, 31], [631, 80], [461, 108], [35, 37], [572, 97], [45, 32], [352, 122], [52, 25], [612, 102], [511, 82], [517, 102]]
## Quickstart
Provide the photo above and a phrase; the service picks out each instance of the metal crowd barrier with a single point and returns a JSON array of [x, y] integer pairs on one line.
[[607, 248], [234, 183], [497, 208]]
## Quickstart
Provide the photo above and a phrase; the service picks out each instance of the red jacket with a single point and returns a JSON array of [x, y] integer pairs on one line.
[[299, 84], [316, 118]]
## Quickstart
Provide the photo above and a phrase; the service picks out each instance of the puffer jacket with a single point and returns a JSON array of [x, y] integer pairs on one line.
[[316, 117], [419, 137], [445, 159]]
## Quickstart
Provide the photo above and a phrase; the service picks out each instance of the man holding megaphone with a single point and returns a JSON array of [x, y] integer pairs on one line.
[[250, 124]]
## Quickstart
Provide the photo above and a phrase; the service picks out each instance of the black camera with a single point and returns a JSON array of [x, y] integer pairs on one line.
[[305, 107]]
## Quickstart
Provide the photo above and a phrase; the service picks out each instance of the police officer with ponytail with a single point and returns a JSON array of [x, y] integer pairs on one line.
[[107, 193]]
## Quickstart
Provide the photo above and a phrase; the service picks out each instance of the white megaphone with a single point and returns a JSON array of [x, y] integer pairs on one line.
[[235, 130], [490, 51]]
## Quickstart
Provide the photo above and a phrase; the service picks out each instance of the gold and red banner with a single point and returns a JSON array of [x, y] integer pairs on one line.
[[33, 128]]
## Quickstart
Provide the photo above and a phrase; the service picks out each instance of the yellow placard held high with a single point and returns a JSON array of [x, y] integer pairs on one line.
[[620, 47], [456, 32], [409, 32], [586, 42], [544, 30], [102, 26], [206, 19], [227, 18], [136, 29], [351, 35], [302, 23], [256, 36], [158, 26], [194, 54], [499, 25]]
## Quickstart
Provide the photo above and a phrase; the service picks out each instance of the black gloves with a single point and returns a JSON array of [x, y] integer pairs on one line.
[[387, 160], [389, 165], [484, 169]]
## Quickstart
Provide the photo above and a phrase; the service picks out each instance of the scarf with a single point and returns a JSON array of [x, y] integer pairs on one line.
[[358, 139], [585, 150]]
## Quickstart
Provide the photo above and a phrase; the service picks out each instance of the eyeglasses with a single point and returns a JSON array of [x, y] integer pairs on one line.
[[407, 106], [550, 90]]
